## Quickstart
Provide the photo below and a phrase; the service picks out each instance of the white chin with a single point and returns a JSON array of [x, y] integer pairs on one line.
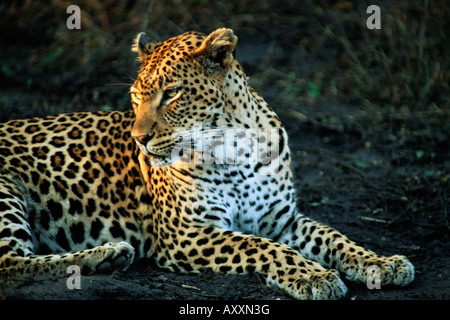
[[156, 161]]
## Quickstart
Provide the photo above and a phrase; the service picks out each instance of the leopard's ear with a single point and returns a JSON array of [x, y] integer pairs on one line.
[[217, 50], [144, 46]]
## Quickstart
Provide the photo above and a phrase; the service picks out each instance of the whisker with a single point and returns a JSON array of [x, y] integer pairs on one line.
[[119, 84]]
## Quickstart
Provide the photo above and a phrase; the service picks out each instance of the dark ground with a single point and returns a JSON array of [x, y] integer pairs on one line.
[[367, 112]]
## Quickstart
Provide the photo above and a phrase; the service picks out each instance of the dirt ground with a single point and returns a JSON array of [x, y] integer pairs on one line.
[[368, 118]]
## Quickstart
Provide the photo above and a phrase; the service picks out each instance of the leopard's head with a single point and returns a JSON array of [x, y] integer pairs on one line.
[[180, 83]]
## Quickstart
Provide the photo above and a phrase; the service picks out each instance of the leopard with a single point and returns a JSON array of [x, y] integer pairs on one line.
[[102, 189]]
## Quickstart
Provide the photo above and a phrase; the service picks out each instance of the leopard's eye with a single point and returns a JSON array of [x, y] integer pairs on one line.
[[170, 95]]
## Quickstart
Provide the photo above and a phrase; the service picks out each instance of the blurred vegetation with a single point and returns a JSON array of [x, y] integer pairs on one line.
[[296, 52]]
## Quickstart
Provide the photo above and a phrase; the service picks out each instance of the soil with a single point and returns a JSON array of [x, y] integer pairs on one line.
[[377, 172]]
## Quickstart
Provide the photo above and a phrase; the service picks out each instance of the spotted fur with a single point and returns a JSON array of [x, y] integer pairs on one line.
[[101, 189]]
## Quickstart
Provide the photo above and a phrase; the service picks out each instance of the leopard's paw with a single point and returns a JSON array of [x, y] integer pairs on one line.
[[322, 285], [111, 256], [395, 270]]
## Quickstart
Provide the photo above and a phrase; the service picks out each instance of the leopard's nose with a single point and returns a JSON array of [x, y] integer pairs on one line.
[[142, 139]]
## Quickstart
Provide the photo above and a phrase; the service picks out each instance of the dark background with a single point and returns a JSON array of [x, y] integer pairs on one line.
[[367, 112]]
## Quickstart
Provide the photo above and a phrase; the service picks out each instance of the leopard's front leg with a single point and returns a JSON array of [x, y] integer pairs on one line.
[[332, 249], [106, 258], [231, 252]]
